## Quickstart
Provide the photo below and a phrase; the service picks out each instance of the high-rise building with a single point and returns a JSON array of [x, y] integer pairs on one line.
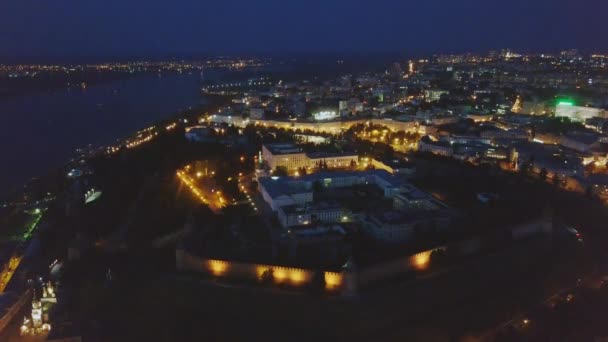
[[411, 67], [395, 71]]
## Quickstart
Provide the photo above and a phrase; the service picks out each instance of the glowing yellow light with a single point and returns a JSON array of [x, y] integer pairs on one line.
[[296, 276], [333, 280], [421, 260], [218, 267], [279, 275], [260, 270]]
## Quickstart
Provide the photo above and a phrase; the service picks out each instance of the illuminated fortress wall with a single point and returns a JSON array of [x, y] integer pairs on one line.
[[299, 277], [350, 281], [238, 270], [417, 262]]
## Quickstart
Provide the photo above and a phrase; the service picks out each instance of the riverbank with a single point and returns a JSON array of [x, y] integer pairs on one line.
[[48, 181], [45, 83], [42, 131]]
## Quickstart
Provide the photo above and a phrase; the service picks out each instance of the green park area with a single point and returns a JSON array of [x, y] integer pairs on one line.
[[19, 225]]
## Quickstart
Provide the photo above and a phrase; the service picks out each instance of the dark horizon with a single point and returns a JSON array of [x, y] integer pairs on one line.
[[386, 56], [75, 30]]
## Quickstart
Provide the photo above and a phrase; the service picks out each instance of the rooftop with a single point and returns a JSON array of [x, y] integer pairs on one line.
[[397, 163], [279, 186], [283, 148], [320, 155], [276, 186], [398, 217], [310, 209], [587, 138], [319, 230]]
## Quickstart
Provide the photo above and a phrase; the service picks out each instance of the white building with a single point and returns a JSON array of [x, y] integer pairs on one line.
[[285, 155], [278, 193], [428, 144], [398, 227], [314, 139], [282, 191], [229, 119], [293, 158], [333, 160], [432, 95], [578, 113], [296, 215], [326, 115]]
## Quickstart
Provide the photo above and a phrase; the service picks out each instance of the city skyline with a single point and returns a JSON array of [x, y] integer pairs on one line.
[[303, 170]]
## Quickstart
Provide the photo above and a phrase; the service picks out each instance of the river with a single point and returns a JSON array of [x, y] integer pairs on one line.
[[41, 131]]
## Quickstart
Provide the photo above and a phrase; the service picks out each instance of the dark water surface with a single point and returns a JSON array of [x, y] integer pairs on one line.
[[41, 131]]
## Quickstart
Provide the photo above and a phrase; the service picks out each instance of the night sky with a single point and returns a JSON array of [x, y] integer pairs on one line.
[[60, 28]]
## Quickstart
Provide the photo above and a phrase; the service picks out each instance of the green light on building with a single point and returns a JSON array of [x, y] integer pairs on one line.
[[565, 103]]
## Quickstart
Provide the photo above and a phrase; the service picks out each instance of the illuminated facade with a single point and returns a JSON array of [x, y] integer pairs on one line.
[[333, 160], [427, 144], [36, 324], [292, 158], [282, 191], [314, 139], [278, 194], [432, 95], [346, 280], [284, 155], [578, 113], [295, 215], [336, 127], [325, 115], [275, 274], [480, 117]]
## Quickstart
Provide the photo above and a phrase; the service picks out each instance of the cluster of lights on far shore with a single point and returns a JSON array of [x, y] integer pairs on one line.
[[141, 137], [140, 140]]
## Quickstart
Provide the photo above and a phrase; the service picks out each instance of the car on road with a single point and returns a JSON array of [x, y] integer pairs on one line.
[[575, 234]]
